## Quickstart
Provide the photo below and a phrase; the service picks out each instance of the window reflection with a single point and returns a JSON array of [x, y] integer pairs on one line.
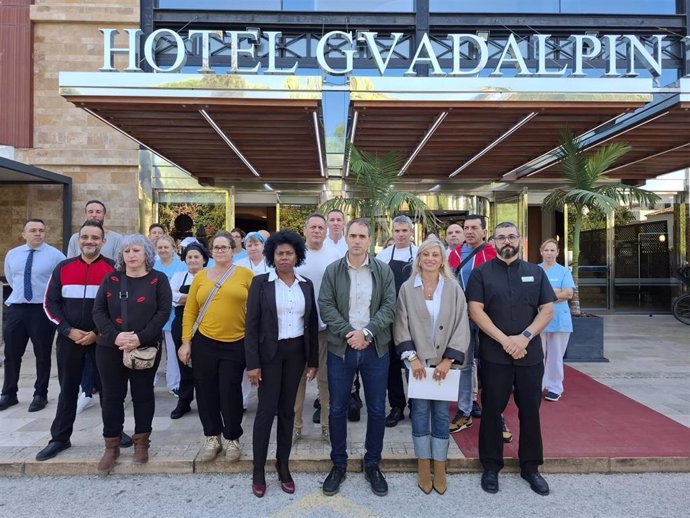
[[556, 6], [363, 6]]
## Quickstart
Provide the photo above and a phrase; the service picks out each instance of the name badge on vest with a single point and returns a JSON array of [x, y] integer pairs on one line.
[[528, 278]]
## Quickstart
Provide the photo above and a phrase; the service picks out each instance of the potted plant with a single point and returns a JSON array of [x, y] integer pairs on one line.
[[585, 189], [373, 195]]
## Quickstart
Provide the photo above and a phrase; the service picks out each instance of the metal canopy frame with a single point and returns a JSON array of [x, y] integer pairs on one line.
[[18, 173]]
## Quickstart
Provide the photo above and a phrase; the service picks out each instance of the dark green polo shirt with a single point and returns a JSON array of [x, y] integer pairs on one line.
[[511, 294]]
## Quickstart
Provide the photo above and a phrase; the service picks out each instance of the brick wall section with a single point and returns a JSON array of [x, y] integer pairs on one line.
[[102, 163]]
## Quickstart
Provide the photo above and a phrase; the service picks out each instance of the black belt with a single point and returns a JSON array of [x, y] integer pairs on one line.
[[287, 341]]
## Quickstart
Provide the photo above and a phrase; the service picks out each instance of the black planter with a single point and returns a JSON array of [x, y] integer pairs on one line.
[[586, 344]]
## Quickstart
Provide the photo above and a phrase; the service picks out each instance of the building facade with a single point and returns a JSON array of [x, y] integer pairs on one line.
[[241, 117]]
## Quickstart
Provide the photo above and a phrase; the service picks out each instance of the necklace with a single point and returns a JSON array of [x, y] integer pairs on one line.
[[429, 290]]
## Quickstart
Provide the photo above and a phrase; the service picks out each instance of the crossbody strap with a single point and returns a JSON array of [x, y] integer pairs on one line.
[[124, 296], [467, 260], [215, 289]]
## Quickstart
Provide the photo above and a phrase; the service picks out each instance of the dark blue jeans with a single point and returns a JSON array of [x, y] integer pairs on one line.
[[374, 373]]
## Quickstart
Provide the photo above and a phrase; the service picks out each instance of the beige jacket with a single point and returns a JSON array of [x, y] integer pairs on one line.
[[412, 327]]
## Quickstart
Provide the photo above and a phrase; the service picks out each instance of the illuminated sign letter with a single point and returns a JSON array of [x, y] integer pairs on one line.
[[579, 54], [540, 49], [511, 49], [321, 53], [425, 44], [636, 47], [611, 69], [235, 51], [370, 38], [150, 52], [205, 48], [482, 49], [131, 50], [272, 47]]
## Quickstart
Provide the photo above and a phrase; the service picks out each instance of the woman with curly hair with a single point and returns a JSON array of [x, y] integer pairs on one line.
[[145, 296], [282, 337]]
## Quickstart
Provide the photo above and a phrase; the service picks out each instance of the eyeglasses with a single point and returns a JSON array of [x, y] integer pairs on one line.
[[221, 248], [502, 239]]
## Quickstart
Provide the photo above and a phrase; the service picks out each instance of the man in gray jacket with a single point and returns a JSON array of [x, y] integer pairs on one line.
[[357, 304]]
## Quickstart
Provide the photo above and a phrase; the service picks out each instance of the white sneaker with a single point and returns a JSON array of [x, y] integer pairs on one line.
[[233, 450], [84, 402], [210, 450]]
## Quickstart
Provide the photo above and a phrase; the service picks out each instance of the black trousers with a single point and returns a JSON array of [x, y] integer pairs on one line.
[[218, 369], [277, 393], [186, 393], [71, 359], [114, 378], [24, 322], [396, 392], [498, 381]]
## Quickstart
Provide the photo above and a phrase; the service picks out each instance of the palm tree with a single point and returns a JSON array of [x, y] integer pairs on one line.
[[585, 191], [374, 197]]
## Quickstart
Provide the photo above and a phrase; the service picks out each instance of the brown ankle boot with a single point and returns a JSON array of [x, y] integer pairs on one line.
[[440, 484], [424, 472], [141, 447], [112, 452]]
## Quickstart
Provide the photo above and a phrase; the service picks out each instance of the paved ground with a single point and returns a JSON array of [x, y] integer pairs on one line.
[[650, 361], [592, 495]]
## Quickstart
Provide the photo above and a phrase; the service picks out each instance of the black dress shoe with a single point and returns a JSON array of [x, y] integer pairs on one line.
[[53, 448], [490, 481], [378, 483], [38, 403], [331, 485], [536, 482], [7, 401], [316, 418], [125, 440], [179, 411], [396, 415]]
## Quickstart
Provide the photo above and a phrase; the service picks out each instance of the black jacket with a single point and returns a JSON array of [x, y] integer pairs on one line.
[[261, 335]]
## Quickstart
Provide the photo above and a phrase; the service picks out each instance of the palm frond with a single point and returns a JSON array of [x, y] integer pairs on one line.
[[623, 193], [585, 198], [555, 200], [572, 161], [601, 161]]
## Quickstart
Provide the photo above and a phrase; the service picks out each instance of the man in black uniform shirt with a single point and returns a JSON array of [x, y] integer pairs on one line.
[[511, 301]]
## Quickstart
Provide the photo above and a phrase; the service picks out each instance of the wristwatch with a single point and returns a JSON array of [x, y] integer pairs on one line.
[[368, 336], [412, 357], [527, 334]]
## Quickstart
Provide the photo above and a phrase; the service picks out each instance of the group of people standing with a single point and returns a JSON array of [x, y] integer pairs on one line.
[[289, 311]]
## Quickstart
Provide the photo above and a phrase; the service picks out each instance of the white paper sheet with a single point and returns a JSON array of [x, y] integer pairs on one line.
[[439, 390]]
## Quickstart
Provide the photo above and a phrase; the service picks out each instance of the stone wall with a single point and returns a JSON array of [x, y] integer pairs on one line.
[[102, 162]]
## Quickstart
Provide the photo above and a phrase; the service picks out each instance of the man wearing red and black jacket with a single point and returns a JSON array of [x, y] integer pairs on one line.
[[69, 303], [463, 259]]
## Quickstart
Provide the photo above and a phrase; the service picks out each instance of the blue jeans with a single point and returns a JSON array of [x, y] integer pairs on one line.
[[465, 394], [374, 373], [430, 442]]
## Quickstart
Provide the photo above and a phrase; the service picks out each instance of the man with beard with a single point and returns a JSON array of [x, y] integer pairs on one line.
[[68, 304], [511, 301]]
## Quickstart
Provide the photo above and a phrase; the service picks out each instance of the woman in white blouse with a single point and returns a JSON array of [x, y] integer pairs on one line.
[[195, 257], [431, 330], [255, 260]]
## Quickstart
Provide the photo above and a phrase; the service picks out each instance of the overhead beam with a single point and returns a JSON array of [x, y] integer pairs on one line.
[[229, 142]]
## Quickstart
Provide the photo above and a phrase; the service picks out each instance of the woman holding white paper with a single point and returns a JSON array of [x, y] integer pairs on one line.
[[431, 330]]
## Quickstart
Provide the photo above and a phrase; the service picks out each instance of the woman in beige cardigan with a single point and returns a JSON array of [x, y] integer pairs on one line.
[[431, 330]]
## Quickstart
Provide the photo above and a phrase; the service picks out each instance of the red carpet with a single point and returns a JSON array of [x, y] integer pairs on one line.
[[592, 420]]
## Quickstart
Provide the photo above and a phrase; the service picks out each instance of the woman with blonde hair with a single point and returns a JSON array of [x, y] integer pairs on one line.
[[431, 329], [556, 335]]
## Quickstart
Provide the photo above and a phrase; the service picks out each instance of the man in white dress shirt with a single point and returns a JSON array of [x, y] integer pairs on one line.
[[27, 269], [336, 235]]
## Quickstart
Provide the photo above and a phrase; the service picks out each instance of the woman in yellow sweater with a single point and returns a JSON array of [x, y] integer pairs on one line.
[[215, 345]]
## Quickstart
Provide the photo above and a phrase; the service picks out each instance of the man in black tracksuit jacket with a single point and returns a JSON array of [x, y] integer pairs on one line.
[[69, 303]]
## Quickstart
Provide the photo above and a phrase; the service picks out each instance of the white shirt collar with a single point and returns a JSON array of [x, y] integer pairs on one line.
[[350, 265], [273, 276]]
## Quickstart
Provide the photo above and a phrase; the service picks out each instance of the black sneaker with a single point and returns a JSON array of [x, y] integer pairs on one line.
[[476, 411], [378, 483], [331, 485]]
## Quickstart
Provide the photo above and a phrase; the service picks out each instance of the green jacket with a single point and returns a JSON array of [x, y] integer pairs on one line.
[[334, 304]]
